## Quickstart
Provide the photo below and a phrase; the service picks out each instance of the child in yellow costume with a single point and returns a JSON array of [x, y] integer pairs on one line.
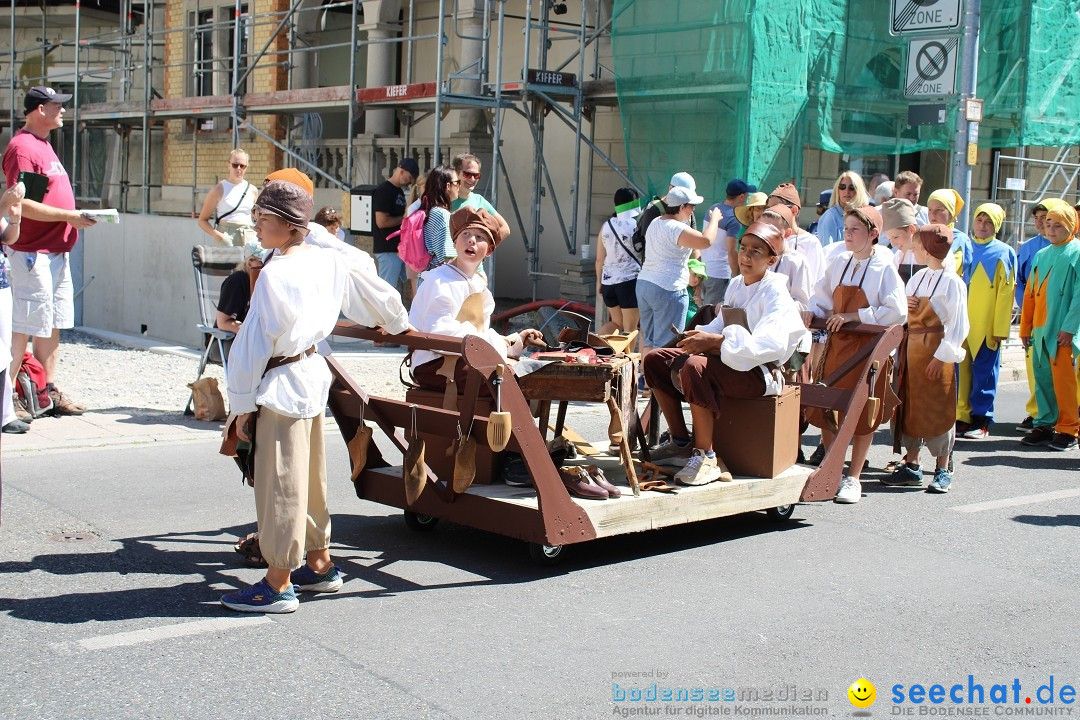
[[944, 206], [990, 279], [1049, 323]]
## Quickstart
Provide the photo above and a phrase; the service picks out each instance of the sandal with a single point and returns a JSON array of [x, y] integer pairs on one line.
[[248, 547]]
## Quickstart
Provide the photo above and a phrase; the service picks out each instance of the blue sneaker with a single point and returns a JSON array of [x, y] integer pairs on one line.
[[905, 475], [308, 579], [941, 483], [260, 597]]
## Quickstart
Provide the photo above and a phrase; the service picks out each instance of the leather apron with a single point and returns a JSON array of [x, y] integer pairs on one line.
[[929, 405], [840, 346], [472, 312]]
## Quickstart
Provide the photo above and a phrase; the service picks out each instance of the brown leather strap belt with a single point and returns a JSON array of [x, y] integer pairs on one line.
[[276, 362]]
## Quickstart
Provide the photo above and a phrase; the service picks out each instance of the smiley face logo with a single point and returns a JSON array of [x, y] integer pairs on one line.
[[862, 693]]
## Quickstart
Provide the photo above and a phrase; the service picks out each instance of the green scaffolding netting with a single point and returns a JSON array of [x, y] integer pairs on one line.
[[737, 88]]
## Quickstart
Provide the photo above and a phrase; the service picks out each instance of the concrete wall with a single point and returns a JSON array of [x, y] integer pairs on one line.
[[143, 281]]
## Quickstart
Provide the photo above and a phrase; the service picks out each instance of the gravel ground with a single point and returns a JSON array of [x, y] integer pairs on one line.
[[106, 377]]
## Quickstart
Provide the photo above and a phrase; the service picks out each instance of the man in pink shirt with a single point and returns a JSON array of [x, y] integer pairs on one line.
[[40, 275]]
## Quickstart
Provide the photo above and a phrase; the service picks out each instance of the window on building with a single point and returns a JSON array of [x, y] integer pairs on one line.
[[203, 53], [245, 37]]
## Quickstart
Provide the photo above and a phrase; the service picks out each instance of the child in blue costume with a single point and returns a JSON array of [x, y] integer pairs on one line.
[[1025, 256], [990, 279]]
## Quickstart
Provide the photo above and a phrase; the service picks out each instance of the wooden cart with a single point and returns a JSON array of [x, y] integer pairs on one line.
[[544, 516]]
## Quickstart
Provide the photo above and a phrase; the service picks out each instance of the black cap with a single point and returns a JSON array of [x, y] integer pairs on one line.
[[411, 166], [40, 95]]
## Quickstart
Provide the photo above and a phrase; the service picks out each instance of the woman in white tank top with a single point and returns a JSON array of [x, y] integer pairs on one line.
[[228, 205]]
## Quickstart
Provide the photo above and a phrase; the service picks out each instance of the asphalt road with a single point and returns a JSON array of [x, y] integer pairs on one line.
[[903, 588]]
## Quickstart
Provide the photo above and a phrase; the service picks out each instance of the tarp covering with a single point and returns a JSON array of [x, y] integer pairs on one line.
[[736, 88]]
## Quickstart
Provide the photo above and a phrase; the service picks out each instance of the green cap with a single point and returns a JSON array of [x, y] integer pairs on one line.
[[698, 268]]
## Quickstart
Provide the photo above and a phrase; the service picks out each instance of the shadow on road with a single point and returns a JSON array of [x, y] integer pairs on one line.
[[1049, 520], [372, 551]]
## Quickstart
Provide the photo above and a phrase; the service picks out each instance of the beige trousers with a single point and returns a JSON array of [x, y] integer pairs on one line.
[[290, 488]]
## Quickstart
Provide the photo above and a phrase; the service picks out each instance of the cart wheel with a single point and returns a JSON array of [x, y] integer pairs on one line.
[[545, 554], [420, 523], [781, 513]]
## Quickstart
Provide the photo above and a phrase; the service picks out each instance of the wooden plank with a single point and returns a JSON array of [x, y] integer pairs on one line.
[[652, 510], [706, 502], [191, 104], [309, 97]]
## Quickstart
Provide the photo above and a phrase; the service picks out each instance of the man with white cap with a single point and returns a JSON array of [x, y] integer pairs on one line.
[[40, 274]]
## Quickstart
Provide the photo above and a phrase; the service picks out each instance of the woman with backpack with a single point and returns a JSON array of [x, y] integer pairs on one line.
[[661, 284], [440, 189], [617, 265]]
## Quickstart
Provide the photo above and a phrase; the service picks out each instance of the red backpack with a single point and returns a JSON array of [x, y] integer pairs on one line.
[[32, 386], [411, 248]]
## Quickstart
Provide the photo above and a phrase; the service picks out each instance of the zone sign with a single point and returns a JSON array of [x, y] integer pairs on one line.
[[910, 16]]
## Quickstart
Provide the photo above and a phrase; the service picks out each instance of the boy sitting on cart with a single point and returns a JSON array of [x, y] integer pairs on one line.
[[726, 360], [454, 300]]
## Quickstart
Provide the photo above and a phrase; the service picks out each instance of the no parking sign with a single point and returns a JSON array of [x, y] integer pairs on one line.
[[931, 67]]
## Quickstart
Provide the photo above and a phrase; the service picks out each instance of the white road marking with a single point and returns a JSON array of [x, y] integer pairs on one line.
[[163, 632], [1018, 500]]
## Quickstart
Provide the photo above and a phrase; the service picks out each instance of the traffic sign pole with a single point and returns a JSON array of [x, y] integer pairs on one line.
[[967, 132]]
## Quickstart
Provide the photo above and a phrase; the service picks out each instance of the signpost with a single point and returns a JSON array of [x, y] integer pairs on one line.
[[910, 16], [933, 64]]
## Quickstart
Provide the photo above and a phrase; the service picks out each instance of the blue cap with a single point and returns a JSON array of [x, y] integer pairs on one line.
[[824, 198], [683, 180], [738, 186]]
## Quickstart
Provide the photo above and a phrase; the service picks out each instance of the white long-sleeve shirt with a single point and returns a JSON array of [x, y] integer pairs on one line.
[[809, 247], [879, 281], [908, 258], [355, 258], [835, 250], [776, 328], [800, 284], [437, 304], [948, 298], [295, 305]]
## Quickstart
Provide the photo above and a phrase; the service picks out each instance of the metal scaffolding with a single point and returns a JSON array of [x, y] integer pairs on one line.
[[543, 88]]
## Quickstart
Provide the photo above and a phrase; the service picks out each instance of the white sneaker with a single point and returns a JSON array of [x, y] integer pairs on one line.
[[850, 491], [699, 470]]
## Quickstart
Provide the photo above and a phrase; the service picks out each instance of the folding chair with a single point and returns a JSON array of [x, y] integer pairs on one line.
[[212, 265]]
